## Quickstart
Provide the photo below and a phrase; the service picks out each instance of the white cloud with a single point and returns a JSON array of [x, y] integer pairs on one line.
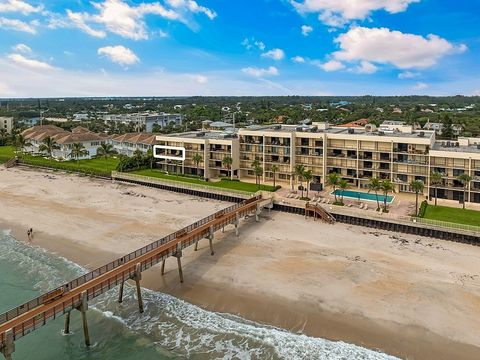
[[298, 59], [366, 67], [119, 54], [329, 66], [27, 63], [408, 75], [118, 17], [420, 86], [18, 25], [19, 6], [275, 54], [306, 30], [22, 48], [200, 79], [260, 72], [251, 43], [384, 46], [339, 12]]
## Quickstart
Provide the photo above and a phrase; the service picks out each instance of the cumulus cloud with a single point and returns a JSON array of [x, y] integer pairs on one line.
[[19, 6], [420, 86], [329, 66], [275, 54], [251, 43], [29, 63], [306, 30], [385, 46], [298, 59], [366, 67], [118, 17], [119, 54], [18, 25], [339, 12], [22, 48], [408, 75], [261, 72]]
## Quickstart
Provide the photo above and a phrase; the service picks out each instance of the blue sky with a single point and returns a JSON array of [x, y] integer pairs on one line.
[[238, 47]]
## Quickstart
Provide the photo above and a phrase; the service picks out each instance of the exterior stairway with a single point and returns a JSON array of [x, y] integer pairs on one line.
[[319, 212]]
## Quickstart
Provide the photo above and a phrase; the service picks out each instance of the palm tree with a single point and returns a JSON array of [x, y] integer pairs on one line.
[[258, 170], [255, 165], [21, 143], [197, 159], [308, 176], [78, 150], [465, 180], [343, 185], [138, 157], [227, 161], [48, 145], [436, 179], [374, 185], [3, 136], [105, 150], [299, 172], [274, 170], [417, 187], [332, 180], [387, 187]]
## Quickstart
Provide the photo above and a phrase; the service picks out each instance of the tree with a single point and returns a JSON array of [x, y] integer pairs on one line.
[[387, 187], [255, 165], [138, 157], [21, 143], [197, 159], [332, 180], [227, 161], [274, 170], [78, 150], [299, 172], [435, 180], [3, 136], [343, 185], [465, 180], [106, 150], [447, 129], [374, 185], [308, 176], [48, 145], [150, 157], [417, 187], [258, 170]]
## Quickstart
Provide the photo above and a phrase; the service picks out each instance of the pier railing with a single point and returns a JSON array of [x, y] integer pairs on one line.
[[34, 303]]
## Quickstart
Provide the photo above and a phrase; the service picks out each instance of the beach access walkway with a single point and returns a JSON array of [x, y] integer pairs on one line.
[[76, 294]]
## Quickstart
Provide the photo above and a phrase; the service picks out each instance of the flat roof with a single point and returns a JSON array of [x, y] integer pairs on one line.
[[458, 149], [218, 135]]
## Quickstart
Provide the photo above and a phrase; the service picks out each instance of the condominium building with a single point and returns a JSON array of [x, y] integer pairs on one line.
[[7, 124], [177, 153], [127, 144], [145, 121]]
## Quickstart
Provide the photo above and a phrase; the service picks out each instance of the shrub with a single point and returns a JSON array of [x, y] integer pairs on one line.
[[423, 209]]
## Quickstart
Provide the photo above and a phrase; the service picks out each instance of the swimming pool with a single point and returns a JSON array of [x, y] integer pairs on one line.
[[363, 196]]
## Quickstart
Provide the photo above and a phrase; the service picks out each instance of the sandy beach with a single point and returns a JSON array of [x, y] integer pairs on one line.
[[408, 296]]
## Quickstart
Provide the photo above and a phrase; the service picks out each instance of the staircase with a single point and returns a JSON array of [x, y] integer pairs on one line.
[[11, 163], [319, 212]]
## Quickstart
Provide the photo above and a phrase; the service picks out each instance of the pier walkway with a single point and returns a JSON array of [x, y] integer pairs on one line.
[[76, 294]]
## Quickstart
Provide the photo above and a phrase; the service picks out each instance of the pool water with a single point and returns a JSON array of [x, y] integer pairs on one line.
[[363, 196]]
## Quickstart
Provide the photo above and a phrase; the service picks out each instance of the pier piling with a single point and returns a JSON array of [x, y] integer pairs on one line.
[[178, 255], [9, 346], [163, 267], [83, 310], [137, 277], [66, 329], [120, 293], [237, 221], [210, 240]]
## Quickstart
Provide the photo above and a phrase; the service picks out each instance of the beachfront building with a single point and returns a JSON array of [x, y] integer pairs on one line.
[[127, 144], [7, 124], [64, 139], [145, 121], [176, 153]]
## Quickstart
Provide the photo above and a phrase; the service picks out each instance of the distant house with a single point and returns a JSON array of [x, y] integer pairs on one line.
[[65, 139], [356, 123], [397, 111], [126, 144], [438, 127], [145, 120], [80, 117]]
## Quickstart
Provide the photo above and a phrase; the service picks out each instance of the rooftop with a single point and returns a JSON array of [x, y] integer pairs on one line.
[[219, 135], [454, 146]]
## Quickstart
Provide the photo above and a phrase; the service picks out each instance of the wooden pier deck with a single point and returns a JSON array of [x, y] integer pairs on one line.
[[28, 317]]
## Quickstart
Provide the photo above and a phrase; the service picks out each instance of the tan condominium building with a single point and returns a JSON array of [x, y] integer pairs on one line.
[[199, 153], [7, 124], [392, 151]]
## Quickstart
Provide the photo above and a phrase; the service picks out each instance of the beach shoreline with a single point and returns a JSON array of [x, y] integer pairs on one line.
[[261, 277]]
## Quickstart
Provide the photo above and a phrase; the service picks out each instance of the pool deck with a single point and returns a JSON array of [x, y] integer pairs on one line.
[[374, 200]]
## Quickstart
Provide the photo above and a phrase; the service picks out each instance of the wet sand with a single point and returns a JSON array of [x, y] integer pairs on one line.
[[408, 296]]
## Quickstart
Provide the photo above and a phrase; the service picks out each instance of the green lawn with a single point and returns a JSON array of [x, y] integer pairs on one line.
[[98, 166], [225, 184], [453, 215], [6, 153]]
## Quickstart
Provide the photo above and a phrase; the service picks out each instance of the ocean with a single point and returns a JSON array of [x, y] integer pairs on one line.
[[168, 329]]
